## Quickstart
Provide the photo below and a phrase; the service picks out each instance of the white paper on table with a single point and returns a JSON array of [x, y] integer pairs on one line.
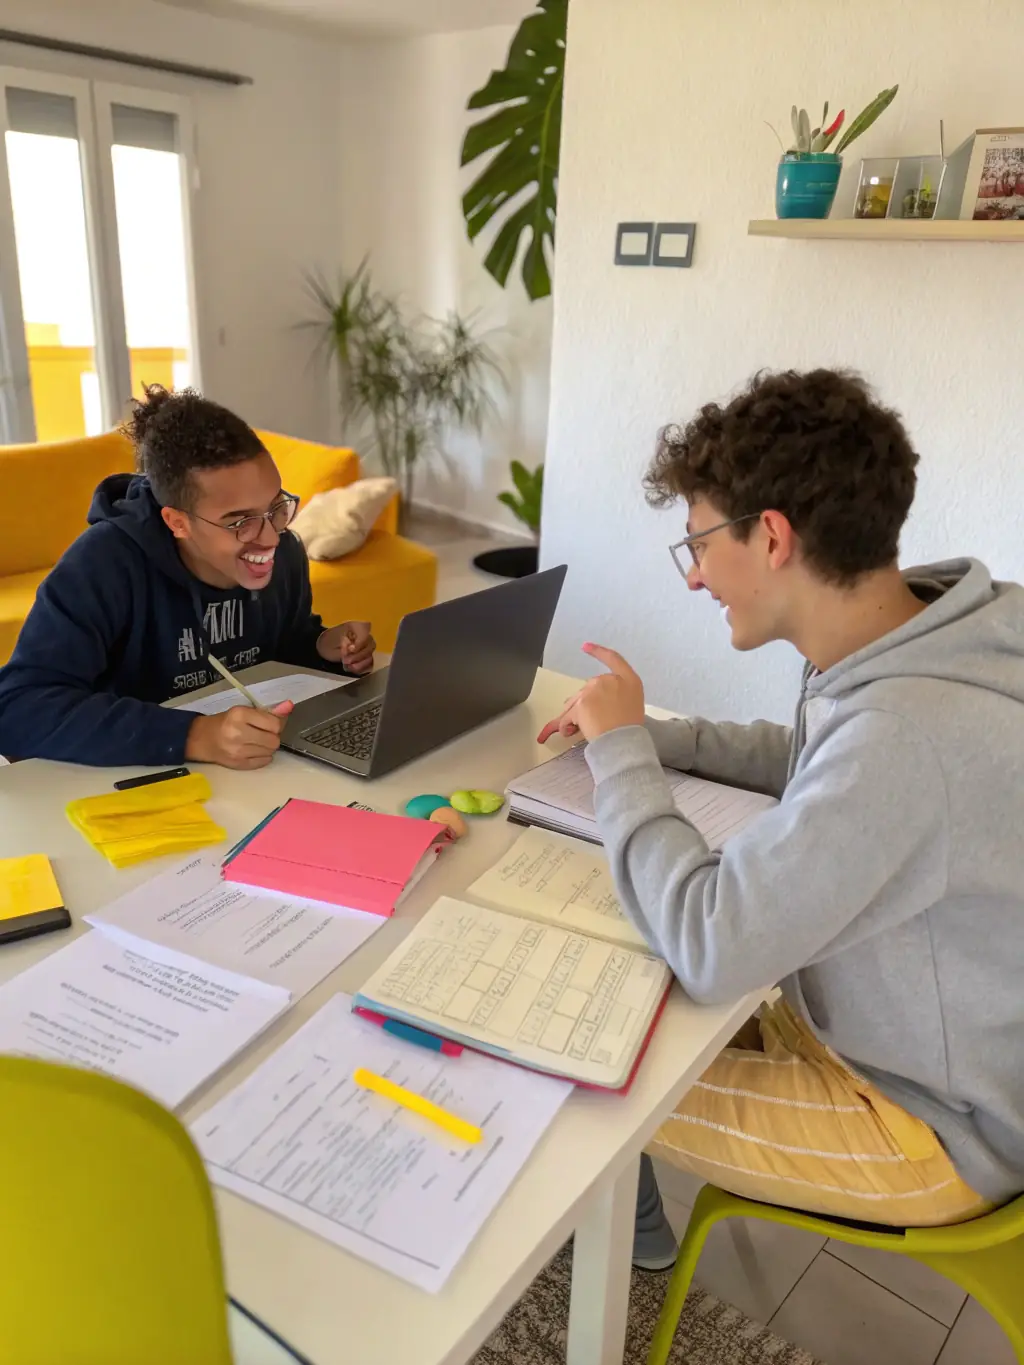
[[157, 1019], [278, 939], [294, 687], [299, 1138]]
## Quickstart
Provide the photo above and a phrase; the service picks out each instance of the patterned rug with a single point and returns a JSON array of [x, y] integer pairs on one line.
[[710, 1332]]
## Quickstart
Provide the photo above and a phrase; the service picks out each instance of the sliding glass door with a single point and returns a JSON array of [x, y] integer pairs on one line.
[[96, 287]]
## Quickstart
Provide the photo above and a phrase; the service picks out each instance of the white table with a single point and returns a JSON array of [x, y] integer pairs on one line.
[[334, 1308]]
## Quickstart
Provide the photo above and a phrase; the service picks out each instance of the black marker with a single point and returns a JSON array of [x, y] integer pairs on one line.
[[129, 782]]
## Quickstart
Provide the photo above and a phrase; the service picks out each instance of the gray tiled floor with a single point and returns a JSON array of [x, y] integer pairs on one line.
[[846, 1305]]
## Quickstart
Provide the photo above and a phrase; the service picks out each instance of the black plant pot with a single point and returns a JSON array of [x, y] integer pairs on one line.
[[513, 561]]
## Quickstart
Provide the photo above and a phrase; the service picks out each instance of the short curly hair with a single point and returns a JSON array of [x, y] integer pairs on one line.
[[816, 446], [177, 433]]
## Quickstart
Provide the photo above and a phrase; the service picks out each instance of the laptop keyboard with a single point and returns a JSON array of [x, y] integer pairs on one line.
[[351, 735]]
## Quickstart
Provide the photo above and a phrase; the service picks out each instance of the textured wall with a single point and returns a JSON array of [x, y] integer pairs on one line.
[[664, 120]]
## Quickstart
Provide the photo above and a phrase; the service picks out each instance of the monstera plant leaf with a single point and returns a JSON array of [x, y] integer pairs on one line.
[[525, 135]]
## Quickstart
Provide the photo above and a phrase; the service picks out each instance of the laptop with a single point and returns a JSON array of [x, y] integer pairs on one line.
[[454, 667]]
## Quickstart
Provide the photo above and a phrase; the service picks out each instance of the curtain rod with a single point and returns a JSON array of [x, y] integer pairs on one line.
[[106, 54]]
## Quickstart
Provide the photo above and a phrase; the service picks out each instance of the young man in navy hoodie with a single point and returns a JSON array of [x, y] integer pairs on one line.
[[190, 558]]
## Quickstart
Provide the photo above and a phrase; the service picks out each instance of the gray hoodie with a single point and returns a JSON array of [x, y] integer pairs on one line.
[[886, 890]]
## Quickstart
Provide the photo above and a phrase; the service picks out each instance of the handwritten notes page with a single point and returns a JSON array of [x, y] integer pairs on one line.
[[281, 940], [553, 1000], [559, 795], [300, 1139], [294, 687], [154, 1018], [561, 881]]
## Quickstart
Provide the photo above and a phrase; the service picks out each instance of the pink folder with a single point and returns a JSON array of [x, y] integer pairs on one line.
[[352, 858]]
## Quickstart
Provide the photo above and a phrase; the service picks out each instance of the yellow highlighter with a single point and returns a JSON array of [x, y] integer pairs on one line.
[[416, 1104]]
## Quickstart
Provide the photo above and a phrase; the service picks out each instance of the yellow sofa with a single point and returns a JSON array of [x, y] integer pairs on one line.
[[46, 494]]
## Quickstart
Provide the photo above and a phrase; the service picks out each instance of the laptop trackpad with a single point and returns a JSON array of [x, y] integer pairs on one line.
[[320, 709]]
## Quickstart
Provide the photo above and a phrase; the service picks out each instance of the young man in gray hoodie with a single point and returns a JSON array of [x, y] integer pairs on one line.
[[885, 892]]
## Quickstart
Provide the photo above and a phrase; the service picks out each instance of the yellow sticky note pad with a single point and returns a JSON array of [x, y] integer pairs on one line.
[[27, 886]]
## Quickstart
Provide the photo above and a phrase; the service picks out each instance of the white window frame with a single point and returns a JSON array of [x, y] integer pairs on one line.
[[94, 123], [104, 96]]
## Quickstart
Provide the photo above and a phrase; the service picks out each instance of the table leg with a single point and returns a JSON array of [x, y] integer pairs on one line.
[[601, 1264]]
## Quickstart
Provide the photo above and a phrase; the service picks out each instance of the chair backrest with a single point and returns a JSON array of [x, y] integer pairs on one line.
[[46, 492], [109, 1249]]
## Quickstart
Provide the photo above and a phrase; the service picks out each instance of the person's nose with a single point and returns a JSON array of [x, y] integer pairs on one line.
[[268, 538], [693, 579]]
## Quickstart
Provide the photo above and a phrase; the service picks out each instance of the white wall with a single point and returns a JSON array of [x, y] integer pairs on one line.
[[403, 121], [268, 203], [664, 120]]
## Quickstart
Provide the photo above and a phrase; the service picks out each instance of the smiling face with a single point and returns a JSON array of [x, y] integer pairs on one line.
[[208, 545], [742, 576]]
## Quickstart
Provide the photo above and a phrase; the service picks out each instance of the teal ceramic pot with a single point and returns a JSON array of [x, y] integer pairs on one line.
[[805, 185]]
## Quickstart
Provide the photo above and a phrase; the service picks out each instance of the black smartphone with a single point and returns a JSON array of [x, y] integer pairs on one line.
[[129, 782]]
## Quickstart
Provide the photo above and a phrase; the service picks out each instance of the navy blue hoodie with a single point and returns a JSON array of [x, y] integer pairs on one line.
[[121, 625]]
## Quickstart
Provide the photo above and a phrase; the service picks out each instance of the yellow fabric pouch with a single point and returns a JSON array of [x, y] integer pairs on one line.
[[148, 822]]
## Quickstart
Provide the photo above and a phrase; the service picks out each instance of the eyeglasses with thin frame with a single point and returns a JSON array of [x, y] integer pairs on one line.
[[249, 529], [691, 543]]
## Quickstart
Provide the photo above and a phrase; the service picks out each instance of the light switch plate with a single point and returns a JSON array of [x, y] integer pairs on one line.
[[634, 244], [673, 244]]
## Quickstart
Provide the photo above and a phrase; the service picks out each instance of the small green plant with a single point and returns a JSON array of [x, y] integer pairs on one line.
[[526, 500], [807, 139]]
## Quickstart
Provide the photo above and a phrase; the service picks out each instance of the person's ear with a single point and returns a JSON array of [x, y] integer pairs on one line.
[[177, 523], [781, 538]]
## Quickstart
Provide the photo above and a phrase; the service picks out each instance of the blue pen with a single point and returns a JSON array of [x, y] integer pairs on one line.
[[409, 1034]]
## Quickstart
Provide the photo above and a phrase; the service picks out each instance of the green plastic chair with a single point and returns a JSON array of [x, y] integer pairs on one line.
[[985, 1256], [109, 1253]]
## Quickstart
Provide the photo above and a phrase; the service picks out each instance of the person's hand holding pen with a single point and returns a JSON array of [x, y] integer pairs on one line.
[[244, 737], [350, 645]]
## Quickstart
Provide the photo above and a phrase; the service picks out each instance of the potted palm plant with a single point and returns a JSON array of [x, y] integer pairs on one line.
[[403, 381]]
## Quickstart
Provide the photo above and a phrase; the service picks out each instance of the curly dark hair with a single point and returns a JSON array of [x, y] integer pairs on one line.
[[817, 447], [176, 433]]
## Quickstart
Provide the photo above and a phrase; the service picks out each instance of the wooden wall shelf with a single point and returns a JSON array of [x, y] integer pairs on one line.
[[887, 229]]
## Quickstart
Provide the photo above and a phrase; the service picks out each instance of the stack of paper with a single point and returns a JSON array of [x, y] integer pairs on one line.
[[300, 1139], [159, 1020], [276, 939], [148, 822]]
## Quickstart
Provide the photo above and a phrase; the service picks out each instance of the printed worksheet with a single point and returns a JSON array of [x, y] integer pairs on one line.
[[156, 1019], [278, 939], [559, 880], [555, 1000], [294, 687], [560, 795], [299, 1138]]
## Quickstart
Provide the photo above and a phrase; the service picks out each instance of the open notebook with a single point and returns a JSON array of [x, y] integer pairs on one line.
[[534, 993], [559, 795], [558, 880]]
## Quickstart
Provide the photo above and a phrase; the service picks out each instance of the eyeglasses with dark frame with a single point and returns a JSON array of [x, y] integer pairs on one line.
[[249, 529], [690, 543]]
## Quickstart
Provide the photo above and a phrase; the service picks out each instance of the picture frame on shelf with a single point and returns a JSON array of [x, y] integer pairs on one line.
[[994, 182]]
